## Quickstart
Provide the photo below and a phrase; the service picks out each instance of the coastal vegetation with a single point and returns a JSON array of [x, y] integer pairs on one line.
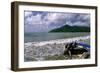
[[67, 28]]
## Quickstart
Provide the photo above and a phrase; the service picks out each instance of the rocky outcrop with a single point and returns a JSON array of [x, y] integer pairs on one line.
[[49, 51], [41, 52]]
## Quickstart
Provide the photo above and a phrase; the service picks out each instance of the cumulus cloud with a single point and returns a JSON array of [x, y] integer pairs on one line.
[[36, 21], [28, 13]]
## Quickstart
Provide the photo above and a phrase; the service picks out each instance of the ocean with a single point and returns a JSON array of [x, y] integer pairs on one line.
[[44, 36]]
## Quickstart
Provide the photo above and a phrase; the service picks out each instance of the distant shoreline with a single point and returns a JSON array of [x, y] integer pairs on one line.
[[58, 41]]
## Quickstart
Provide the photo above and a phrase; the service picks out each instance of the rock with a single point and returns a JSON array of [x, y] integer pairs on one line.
[[39, 51]]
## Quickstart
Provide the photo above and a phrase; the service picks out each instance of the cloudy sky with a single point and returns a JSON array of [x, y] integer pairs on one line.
[[40, 21]]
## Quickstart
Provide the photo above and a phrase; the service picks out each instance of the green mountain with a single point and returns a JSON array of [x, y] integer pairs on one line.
[[67, 28]]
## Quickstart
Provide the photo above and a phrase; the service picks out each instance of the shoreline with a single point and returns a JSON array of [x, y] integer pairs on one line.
[[49, 50], [58, 41]]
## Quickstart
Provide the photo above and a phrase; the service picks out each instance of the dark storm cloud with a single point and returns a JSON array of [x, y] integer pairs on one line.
[[39, 21]]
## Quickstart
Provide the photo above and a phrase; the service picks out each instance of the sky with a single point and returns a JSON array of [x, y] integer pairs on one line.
[[40, 21]]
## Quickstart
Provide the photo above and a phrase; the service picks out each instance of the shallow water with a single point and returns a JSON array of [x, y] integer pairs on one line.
[[37, 37]]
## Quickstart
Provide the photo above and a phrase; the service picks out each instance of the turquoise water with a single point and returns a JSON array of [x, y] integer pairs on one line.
[[37, 37]]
